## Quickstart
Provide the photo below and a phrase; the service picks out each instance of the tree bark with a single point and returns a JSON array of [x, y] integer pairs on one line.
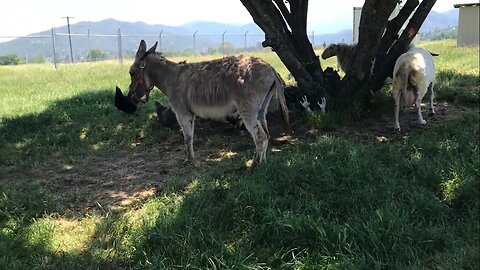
[[286, 33], [374, 16], [378, 48], [384, 67], [392, 32]]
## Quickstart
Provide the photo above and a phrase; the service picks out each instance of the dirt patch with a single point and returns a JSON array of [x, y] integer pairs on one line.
[[113, 181], [380, 128], [106, 181]]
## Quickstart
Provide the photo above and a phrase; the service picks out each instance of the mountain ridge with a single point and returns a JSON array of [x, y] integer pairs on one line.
[[208, 36]]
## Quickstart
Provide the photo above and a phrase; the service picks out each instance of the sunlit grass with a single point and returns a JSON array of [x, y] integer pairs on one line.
[[324, 203]]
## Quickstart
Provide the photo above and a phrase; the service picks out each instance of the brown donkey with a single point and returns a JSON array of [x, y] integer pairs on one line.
[[211, 89]]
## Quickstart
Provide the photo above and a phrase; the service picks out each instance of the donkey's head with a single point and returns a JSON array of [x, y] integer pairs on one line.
[[140, 84]]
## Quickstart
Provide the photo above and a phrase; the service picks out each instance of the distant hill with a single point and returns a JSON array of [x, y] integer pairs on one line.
[[344, 36], [82, 44], [175, 39], [214, 28], [436, 21]]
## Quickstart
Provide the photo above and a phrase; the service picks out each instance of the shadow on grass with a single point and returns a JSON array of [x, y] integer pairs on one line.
[[330, 204], [452, 86], [73, 127], [327, 204], [45, 165]]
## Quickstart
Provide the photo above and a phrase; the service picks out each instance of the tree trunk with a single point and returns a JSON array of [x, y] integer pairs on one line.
[[374, 17], [385, 62], [392, 32], [286, 33], [374, 57]]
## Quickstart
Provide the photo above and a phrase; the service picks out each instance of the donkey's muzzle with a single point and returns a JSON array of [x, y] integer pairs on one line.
[[123, 103]]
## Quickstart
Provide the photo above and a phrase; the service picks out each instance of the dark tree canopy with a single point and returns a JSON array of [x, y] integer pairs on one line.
[[285, 26]]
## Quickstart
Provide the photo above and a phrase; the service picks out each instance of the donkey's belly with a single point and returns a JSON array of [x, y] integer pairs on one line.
[[215, 112]]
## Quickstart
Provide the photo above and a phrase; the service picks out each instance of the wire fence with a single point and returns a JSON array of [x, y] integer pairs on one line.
[[59, 48]]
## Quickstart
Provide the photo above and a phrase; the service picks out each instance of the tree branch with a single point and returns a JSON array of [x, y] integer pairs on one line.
[[401, 45], [290, 41], [374, 16], [284, 11]]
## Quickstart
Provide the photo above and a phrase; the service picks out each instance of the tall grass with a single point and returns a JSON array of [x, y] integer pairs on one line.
[[323, 203], [457, 78]]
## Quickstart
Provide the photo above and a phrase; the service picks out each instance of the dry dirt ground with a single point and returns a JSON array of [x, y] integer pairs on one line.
[[113, 181]]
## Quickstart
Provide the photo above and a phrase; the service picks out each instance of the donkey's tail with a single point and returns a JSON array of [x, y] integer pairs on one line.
[[281, 100]]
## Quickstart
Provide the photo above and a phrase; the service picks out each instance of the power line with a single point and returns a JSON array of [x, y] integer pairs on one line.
[[69, 35]]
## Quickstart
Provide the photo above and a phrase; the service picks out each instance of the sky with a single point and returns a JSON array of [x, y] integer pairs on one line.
[[22, 17]]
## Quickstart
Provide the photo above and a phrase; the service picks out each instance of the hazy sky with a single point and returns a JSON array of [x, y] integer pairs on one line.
[[21, 17]]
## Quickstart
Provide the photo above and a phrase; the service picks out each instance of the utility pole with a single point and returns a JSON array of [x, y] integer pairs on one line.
[[69, 35]]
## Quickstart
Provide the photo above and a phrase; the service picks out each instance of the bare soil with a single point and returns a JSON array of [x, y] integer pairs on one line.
[[112, 181]]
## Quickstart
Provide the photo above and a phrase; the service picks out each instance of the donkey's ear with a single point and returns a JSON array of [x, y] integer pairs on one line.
[[153, 48], [142, 49]]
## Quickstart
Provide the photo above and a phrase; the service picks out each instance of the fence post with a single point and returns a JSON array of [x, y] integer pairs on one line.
[[194, 35], [223, 43], [160, 40], [245, 40], [120, 58], [313, 38], [54, 58], [89, 46]]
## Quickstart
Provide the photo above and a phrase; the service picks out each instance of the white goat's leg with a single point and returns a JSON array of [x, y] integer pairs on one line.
[[396, 98], [419, 111], [430, 103], [187, 124]]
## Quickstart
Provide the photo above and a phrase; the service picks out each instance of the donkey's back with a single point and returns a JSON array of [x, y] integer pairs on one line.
[[217, 88]]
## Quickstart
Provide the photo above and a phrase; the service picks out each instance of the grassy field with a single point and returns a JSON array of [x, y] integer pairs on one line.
[[83, 186]]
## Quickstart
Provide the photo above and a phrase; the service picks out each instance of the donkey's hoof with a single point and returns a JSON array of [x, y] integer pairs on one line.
[[431, 113], [422, 122], [253, 162], [190, 162]]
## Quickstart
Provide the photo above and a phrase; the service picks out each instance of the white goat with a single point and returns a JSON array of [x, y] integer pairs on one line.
[[413, 76]]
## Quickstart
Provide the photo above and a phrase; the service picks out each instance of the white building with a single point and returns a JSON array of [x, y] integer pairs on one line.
[[468, 24], [357, 13]]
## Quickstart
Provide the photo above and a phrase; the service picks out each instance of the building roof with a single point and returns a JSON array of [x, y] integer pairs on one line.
[[466, 5]]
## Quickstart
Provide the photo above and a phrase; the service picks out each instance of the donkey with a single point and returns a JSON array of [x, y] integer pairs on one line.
[[211, 89]]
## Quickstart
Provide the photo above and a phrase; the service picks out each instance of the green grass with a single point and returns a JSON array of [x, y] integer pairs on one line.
[[323, 203], [457, 77]]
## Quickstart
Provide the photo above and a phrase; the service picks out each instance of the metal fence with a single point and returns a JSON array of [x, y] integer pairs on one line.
[[85, 47]]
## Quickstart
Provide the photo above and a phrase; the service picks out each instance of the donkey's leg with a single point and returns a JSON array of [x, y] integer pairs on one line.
[[187, 123], [258, 134], [262, 118]]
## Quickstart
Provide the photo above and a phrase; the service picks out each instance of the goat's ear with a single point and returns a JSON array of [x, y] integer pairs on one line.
[[153, 48], [142, 49]]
